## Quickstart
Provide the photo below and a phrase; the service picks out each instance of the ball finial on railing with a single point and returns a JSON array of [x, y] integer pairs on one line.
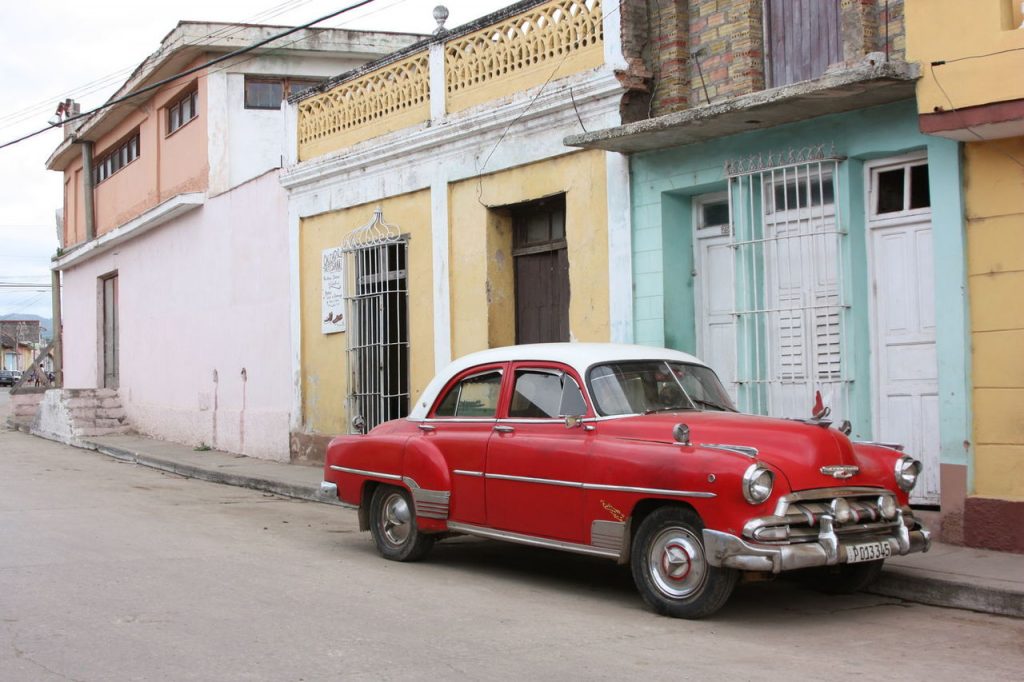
[[440, 16]]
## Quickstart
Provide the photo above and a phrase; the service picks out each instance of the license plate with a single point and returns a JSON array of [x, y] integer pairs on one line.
[[868, 551]]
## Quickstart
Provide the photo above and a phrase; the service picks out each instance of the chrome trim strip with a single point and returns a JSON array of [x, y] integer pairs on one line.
[[530, 479], [738, 449], [361, 472], [584, 486], [892, 446], [430, 504], [531, 540], [608, 534], [653, 491]]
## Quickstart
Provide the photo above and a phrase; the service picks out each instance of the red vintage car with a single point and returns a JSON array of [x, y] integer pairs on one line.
[[635, 454]]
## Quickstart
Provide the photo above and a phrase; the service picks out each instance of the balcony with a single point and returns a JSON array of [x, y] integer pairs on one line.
[[509, 52]]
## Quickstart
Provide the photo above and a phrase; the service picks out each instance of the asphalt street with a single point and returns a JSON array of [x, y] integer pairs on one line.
[[110, 571]]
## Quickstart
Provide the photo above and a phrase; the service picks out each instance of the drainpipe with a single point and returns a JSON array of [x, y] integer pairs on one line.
[[58, 340], [87, 191]]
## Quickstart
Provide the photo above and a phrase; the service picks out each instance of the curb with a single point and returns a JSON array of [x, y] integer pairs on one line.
[[299, 492], [913, 586]]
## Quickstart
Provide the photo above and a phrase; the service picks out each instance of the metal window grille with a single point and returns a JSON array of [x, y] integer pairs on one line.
[[791, 306], [376, 296]]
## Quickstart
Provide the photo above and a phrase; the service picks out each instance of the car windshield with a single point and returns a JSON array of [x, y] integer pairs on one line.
[[646, 386]]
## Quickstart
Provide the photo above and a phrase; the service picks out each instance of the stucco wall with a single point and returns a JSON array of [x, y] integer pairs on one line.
[[979, 44], [201, 298], [664, 181], [482, 303], [324, 362], [995, 215]]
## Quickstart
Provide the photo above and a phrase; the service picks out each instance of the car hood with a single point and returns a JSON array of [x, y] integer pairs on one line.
[[796, 449]]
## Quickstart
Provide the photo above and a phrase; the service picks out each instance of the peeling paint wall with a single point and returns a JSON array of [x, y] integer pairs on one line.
[[324, 363], [201, 298]]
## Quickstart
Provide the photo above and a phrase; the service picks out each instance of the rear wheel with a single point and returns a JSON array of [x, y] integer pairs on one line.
[[671, 570], [393, 526]]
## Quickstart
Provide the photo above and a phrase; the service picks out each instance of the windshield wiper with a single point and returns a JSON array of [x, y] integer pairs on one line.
[[668, 409], [708, 403]]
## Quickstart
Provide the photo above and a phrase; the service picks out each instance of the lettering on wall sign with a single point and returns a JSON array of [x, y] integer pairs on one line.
[[332, 308]]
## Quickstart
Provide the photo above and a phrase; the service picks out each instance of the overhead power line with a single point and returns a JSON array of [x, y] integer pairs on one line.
[[189, 72], [46, 105]]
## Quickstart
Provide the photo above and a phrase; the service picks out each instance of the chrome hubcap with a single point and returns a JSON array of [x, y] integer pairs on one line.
[[396, 519], [677, 564]]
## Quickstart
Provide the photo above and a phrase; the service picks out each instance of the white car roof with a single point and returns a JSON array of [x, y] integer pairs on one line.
[[579, 356]]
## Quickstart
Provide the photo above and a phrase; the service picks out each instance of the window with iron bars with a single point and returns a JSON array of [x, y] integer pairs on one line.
[[378, 337]]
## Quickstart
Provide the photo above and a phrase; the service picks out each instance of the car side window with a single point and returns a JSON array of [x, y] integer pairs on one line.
[[542, 394], [474, 396]]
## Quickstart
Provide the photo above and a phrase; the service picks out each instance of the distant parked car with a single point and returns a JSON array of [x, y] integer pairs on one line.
[[634, 454], [9, 377]]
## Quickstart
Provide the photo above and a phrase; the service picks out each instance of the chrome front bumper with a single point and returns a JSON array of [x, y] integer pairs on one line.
[[730, 551], [328, 491]]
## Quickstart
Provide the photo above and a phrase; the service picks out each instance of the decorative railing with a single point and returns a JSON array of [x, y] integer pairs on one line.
[[550, 40], [547, 41], [390, 98]]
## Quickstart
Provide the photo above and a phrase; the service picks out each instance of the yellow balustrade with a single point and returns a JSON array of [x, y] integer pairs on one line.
[[387, 99], [548, 41]]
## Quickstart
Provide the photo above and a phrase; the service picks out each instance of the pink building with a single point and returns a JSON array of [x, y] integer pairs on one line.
[[175, 254]]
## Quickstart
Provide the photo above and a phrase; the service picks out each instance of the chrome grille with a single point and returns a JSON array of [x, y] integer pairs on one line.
[[798, 516]]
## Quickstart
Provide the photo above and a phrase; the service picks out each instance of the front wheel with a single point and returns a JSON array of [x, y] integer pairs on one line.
[[393, 526], [671, 570]]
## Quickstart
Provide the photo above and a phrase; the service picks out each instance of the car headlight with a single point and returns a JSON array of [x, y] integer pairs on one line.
[[757, 484], [907, 471]]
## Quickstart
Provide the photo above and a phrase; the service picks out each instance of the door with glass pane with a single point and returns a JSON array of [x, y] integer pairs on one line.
[[110, 328]]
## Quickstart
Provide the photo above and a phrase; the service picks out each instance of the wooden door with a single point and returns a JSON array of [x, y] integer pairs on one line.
[[111, 325], [905, 360], [541, 271], [801, 39]]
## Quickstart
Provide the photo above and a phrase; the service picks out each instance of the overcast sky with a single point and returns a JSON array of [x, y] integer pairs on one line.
[[86, 50]]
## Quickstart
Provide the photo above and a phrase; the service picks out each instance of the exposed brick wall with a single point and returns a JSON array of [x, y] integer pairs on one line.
[[637, 78], [893, 18], [670, 55], [701, 50]]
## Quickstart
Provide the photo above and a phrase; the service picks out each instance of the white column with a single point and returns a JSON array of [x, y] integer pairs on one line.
[[611, 22], [295, 310], [442, 297], [290, 149], [620, 248], [437, 85]]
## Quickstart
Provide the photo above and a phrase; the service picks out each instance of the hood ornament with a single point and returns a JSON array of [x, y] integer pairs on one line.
[[840, 471]]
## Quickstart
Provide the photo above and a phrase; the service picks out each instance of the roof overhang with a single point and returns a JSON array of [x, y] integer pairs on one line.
[[154, 217], [862, 86], [992, 121], [191, 40]]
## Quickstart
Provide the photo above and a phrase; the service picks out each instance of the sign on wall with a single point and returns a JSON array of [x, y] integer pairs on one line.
[[332, 311]]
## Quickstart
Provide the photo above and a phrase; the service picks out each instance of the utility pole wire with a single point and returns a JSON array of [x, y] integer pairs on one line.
[[189, 72]]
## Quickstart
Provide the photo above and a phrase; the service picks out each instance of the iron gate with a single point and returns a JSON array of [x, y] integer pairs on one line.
[[791, 303]]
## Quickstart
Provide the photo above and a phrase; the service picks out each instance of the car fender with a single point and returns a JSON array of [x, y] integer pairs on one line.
[[426, 475]]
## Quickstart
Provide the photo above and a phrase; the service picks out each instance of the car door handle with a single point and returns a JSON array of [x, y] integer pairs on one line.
[[427, 428], [504, 429]]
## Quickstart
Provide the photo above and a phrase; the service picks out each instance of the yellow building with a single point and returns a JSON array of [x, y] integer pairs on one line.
[[435, 210], [972, 90]]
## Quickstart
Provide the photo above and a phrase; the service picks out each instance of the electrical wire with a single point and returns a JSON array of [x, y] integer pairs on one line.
[[102, 82], [189, 72], [959, 116]]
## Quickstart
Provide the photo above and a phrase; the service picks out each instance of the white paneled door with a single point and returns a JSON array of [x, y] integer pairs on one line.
[[904, 361]]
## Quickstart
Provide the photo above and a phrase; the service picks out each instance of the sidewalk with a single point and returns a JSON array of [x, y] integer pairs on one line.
[[950, 576]]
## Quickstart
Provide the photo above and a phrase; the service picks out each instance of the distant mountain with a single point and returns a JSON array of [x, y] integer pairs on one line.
[[45, 323]]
